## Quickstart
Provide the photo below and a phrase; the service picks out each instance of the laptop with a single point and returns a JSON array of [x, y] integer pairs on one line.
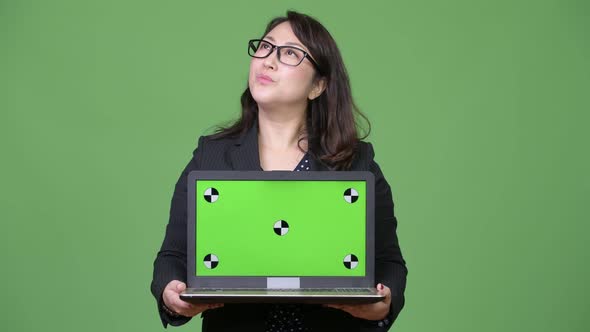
[[280, 237]]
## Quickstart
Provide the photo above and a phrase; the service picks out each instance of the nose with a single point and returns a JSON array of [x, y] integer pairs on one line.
[[271, 60]]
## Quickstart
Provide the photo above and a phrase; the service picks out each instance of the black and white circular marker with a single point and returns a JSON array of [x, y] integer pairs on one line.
[[211, 195], [211, 261], [281, 227], [351, 261], [351, 195]]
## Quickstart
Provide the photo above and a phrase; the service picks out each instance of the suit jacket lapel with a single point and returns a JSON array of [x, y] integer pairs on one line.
[[244, 156], [316, 165]]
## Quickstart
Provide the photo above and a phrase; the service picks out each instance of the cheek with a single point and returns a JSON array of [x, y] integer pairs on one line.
[[299, 81], [256, 65], [253, 70]]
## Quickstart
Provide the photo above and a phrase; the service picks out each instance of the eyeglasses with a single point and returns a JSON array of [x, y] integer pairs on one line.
[[289, 55]]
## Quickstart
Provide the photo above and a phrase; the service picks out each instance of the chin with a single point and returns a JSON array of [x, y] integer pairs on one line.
[[263, 98], [266, 103]]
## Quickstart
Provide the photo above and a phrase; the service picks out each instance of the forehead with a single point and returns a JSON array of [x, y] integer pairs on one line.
[[283, 34]]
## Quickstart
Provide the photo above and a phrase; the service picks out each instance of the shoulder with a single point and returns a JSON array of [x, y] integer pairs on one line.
[[364, 156], [365, 150], [215, 153], [211, 140], [207, 143], [365, 161]]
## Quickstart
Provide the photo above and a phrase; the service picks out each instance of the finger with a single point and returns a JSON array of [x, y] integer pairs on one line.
[[179, 304], [206, 306], [343, 307], [383, 290], [335, 305], [210, 306], [172, 284], [195, 309], [199, 308], [386, 292], [331, 305], [172, 300], [215, 305], [180, 287], [353, 310]]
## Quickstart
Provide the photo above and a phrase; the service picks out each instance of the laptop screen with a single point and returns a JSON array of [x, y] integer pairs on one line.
[[280, 228]]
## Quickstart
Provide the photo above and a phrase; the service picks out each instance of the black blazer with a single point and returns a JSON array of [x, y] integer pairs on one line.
[[242, 154]]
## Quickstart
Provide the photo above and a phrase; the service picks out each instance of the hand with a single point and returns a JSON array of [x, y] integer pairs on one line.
[[372, 311], [171, 298]]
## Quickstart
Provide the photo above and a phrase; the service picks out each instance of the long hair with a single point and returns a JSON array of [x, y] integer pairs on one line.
[[331, 118]]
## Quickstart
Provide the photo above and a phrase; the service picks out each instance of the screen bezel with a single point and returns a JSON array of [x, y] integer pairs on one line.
[[194, 281]]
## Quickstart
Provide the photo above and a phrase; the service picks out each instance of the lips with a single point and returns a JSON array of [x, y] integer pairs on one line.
[[264, 78]]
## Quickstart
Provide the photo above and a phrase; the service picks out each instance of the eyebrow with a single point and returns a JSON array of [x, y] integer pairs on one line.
[[287, 43]]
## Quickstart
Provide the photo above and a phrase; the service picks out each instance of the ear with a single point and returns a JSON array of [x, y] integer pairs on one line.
[[318, 88]]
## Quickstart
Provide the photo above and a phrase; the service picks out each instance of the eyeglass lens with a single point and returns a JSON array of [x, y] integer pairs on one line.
[[287, 55]]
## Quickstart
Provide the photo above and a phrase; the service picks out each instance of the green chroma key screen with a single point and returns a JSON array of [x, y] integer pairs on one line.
[[280, 228]]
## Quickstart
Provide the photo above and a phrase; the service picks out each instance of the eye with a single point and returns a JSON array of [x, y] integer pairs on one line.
[[292, 53], [264, 45]]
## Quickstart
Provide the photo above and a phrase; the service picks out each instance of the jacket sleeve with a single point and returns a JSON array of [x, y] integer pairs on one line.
[[170, 263], [390, 266]]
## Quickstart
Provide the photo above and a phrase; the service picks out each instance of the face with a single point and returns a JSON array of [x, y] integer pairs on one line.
[[288, 85]]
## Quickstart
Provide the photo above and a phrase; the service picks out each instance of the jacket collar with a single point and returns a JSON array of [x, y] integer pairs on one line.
[[245, 154]]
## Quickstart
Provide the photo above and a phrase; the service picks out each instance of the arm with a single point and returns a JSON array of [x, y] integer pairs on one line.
[[390, 267], [170, 263]]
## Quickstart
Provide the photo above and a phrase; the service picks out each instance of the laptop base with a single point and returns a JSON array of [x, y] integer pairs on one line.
[[307, 296]]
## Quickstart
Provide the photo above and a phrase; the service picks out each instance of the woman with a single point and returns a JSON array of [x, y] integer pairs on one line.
[[297, 114]]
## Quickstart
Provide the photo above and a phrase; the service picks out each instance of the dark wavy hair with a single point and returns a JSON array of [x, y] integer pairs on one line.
[[332, 118]]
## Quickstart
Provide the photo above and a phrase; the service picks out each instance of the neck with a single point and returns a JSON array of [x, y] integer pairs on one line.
[[281, 129]]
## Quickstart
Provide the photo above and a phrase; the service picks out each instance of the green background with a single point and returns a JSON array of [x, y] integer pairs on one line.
[[238, 228], [480, 123]]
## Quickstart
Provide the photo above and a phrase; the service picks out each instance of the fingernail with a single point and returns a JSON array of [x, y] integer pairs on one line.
[[380, 287]]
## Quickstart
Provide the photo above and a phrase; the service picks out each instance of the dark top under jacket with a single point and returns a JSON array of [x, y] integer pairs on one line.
[[242, 154]]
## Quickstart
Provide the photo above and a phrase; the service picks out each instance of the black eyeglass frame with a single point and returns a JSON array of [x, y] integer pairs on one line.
[[278, 48]]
